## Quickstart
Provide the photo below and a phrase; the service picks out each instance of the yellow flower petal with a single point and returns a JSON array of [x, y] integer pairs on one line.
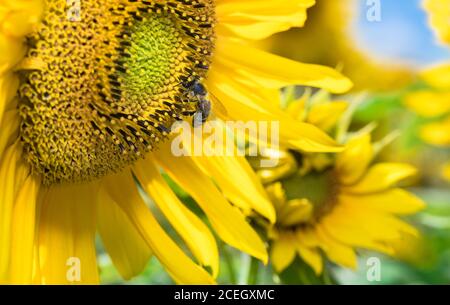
[[20, 16], [295, 212], [259, 19], [344, 229], [438, 77], [227, 221], [396, 201], [67, 229], [277, 195], [429, 103], [17, 19], [128, 250], [267, 70], [437, 133], [298, 109], [352, 163], [244, 105], [12, 51], [180, 267], [283, 251], [9, 85], [325, 116], [311, 256], [8, 189], [381, 177], [24, 237], [446, 171], [193, 231], [337, 252], [234, 176], [9, 130], [439, 11], [378, 226]]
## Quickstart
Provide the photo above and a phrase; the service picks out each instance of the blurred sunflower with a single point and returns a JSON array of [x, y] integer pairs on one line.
[[439, 12], [329, 206], [327, 39], [433, 103], [87, 89]]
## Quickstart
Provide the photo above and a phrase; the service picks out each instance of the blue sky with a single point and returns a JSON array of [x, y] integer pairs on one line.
[[402, 35]]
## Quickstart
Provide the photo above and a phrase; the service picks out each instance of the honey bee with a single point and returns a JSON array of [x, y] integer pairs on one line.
[[198, 94]]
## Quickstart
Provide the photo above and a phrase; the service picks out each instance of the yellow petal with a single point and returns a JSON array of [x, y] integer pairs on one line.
[[235, 178], [20, 16], [267, 70], [193, 231], [128, 250], [298, 109], [24, 233], [429, 103], [12, 50], [277, 195], [342, 227], [9, 129], [180, 267], [227, 221], [438, 77], [296, 212], [380, 225], [17, 19], [325, 116], [381, 177], [352, 163], [437, 133], [439, 13], [283, 251], [8, 187], [244, 105], [360, 227], [9, 85], [311, 256], [337, 252], [67, 229], [396, 201], [446, 171], [252, 19]]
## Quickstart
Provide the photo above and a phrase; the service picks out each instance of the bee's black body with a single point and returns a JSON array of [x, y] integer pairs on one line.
[[198, 92]]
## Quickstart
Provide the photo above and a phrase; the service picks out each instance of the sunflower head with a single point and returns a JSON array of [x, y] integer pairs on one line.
[[98, 93], [329, 205]]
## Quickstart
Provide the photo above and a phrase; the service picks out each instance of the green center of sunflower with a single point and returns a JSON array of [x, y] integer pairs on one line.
[[111, 84]]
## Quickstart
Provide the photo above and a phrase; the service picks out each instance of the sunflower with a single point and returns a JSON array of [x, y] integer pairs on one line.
[[88, 89], [329, 38], [439, 11], [330, 206], [433, 102]]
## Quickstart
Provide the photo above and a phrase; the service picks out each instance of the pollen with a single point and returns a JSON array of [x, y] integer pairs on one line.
[[109, 85]]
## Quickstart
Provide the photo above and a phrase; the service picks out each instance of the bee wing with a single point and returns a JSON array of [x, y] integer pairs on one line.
[[219, 108]]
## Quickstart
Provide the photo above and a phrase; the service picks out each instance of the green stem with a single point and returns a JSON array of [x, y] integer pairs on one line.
[[229, 263], [252, 278]]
